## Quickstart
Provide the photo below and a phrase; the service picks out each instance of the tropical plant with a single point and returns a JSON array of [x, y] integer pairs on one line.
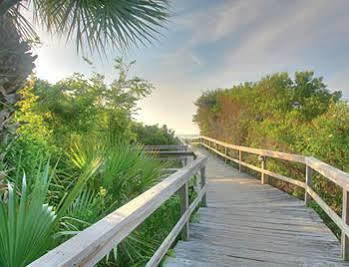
[[126, 172], [79, 105], [97, 24], [27, 220], [154, 134], [297, 115]]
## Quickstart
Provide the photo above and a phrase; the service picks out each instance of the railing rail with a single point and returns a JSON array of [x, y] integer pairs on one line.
[[166, 147], [89, 246], [331, 173]]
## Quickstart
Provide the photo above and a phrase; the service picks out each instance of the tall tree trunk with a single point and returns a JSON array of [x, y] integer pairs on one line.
[[16, 64]]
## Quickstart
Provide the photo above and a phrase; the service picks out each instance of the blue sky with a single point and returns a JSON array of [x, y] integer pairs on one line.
[[212, 44]]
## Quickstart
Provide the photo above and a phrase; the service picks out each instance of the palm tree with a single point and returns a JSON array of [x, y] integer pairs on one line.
[[95, 25]]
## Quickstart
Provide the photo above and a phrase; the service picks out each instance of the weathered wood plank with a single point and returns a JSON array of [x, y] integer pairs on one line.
[[172, 153], [255, 168], [184, 197], [165, 147], [334, 216], [262, 152], [264, 177], [335, 175], [345, 217], [309, 183], [203, 184], [247, 224], [285, 178]]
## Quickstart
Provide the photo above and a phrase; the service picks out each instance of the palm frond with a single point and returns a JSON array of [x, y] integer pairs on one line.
[[22, 24], [27, 221], [100, 24]]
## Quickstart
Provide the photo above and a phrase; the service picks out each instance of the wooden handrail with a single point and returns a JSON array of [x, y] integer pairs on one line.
[[89, 246], [335, 175], [172, 153], [257, 151], [165, 147], [331, 173]]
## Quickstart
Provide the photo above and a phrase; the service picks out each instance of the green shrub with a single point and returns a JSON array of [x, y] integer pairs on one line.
[[299, 115]]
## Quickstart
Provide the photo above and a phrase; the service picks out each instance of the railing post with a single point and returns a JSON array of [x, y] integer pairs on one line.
[[184, 196], [225, 153], [240, 159], [203, 183], [345, 217], [185, 161], [308, 183], [264, 177]]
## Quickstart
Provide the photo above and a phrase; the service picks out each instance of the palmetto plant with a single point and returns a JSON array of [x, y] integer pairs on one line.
[[96, 25], [126, 172], [27, 221]]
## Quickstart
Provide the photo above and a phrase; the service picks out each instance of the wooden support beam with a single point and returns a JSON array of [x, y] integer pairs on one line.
[[164, 247], [203, 183], [225, 153], [264, 177], [240, 160], [308, 183], [184, 196], [345, 218]]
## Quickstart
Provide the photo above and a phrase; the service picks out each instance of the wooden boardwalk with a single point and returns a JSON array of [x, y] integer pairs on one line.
[[249, 224]]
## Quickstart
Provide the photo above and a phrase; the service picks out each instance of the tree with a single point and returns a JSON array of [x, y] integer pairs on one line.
[[98, 24], [78, 105]]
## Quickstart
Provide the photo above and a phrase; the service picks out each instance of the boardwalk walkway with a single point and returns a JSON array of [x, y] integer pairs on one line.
[[249, 224]]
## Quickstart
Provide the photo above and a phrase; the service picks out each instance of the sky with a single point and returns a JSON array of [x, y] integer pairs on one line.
[[209, 44]]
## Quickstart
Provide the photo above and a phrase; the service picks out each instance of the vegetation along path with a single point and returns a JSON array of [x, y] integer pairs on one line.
[[249, 224]]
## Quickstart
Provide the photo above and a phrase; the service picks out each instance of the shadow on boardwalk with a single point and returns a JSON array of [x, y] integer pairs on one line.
[[249, 224]]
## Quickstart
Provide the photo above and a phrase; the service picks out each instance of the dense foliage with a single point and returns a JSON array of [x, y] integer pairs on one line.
[[154, 135], [299, 115], [96, 25], [77, 157]]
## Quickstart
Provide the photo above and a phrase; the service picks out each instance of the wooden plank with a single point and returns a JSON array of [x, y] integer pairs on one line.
[[225, 153], [335, 175], [220, 153], [165, 147], [334, 216], [247, 224], [203, 184], [172, 153], [164, 247], [252, 167], [184, 197], [285, 178], [263, 152], [240, 160], [172, 158], [264, 177], [171, 169], [255, 168], [309, 183], [92, 244], [345, 218]]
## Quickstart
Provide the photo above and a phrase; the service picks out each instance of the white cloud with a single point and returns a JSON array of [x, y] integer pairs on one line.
[[226, 42]]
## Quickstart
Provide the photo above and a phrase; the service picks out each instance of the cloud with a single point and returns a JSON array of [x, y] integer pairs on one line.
[[211, 44]]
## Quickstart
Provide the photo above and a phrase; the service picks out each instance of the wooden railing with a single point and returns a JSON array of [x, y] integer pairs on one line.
[[89, 246], [333, 174], [182, 147]]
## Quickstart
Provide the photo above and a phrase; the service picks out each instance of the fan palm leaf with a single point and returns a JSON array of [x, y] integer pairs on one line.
[[96, 24], [27, 221]]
